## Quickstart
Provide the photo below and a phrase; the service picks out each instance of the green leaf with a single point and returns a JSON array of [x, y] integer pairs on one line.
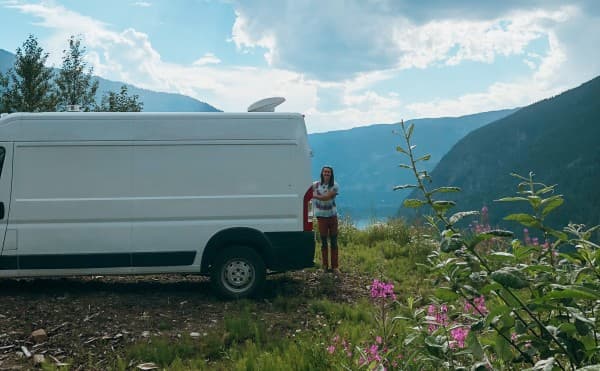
[[558, 234], [445, 190], [525, 219], [460, 215], [410, 130], [443, 205], [511, 199], [595, 367], [404, 186], [405, 166], [499, 233], [544, 190], [413, 203], [424, 158], [510, 277], [554, 202], [535, 201], [400, 149], [545, 364], [502, 348], [445, 294], [572, 292], [500, 255], [452, 244]]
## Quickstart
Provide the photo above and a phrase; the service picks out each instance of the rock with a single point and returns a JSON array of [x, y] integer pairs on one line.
[[38, 359], [39, 336], [194, 334]]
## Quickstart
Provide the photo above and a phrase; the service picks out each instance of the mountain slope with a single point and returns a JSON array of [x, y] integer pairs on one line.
[[366, 163], [153, 101], [556, 138]]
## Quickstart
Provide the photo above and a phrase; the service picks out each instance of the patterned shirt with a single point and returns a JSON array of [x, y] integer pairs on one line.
[[327, 208]]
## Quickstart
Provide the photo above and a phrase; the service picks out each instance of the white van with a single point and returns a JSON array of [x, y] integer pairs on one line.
[[219, 194]]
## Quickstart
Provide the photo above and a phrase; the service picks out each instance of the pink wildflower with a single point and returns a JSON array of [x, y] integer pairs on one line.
[[526, 236], [382, 290], [459, 334], [331, 349], [378, 339]]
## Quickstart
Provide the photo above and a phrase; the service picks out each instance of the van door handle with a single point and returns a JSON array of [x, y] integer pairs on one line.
[[1, 210]]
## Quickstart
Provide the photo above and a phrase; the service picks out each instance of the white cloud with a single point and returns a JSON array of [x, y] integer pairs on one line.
[[330, 66], [143, 4], [208, 58], [349, 37]]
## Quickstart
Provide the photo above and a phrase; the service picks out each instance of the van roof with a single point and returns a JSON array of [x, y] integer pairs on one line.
[[74, 126]]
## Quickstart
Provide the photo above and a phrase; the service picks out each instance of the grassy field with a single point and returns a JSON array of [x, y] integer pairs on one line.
[[337, 333]]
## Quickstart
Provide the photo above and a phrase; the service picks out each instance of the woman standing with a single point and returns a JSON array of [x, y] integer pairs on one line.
[[324, 193]]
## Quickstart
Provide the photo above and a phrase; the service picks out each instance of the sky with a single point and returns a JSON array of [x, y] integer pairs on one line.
[[342, 63]]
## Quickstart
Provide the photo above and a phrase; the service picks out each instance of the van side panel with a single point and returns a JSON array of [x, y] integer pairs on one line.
[[185, 193], [71, 198]]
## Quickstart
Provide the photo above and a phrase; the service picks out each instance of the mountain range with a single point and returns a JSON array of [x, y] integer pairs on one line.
[[365, 160], [556, 139]]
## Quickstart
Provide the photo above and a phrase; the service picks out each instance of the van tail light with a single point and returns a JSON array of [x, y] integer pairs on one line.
[[307, 210]]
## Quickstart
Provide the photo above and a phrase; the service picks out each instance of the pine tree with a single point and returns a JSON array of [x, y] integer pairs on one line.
[[120, 102], [3, 93], [75, 83], [29, 85]]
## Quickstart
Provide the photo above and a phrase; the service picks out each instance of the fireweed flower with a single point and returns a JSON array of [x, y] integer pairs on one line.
[[440, 315], [459, 335], [479, 306], [382, 290], [526, 236]]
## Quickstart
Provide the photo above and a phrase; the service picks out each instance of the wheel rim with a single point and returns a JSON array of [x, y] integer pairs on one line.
[[237, 275]]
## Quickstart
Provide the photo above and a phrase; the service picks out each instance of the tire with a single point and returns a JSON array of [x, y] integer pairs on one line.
[[238, 272]]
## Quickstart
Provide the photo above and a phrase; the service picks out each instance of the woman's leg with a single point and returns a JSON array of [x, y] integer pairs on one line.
[[323, 231], [333, 230]]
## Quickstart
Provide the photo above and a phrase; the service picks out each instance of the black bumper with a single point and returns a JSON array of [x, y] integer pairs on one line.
[[290, 250]]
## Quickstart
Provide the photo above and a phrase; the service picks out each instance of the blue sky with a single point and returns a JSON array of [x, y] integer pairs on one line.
[[343, 63]]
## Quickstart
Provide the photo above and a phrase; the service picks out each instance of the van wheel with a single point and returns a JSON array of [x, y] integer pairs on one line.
[[238, 272]]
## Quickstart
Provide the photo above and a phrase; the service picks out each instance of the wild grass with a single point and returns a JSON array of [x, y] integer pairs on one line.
[[245, 341]]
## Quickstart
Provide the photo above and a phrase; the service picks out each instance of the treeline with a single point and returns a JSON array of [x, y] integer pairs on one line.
[[31, 86]]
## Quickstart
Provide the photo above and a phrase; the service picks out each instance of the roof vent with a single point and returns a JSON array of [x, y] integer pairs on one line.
[[266, 105]]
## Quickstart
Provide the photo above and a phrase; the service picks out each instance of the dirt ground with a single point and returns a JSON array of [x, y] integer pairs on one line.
[[92, 320]]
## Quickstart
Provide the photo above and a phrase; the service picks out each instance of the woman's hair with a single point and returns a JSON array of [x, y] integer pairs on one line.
[[331, 180]]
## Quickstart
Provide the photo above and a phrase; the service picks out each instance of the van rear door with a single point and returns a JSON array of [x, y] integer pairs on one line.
[[5, 183]]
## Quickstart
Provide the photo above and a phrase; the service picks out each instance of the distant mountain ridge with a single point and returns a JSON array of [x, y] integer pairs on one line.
[[556, 138], [366, 163], [153, 101]]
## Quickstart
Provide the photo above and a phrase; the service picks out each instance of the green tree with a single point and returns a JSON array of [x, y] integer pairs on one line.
[[3, 91], [29, 85], [120, 102], [75, 84]]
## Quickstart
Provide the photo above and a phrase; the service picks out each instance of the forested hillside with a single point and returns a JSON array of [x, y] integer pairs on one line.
[[556, 138]]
